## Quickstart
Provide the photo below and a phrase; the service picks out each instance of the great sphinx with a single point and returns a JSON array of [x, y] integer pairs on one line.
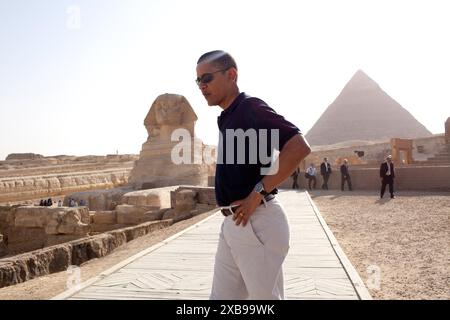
[[155, 167]]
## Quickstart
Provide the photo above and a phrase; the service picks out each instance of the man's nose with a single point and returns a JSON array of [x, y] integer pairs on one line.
[[202, 86]]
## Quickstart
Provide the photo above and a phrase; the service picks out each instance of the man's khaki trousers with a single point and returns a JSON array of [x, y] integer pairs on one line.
[[249, 259]]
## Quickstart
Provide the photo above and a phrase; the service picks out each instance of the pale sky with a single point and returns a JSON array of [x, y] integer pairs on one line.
[[78, 77]]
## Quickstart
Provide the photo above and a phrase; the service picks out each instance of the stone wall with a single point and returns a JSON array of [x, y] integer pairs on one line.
[[23, 267], [374, 154], [3, 248], [26, 228], [204, 195], [447, 131], [64, 164], [424, 148], [159, 197], [139, 213], [24, 156], [34, 187], [99, 200], [419, 178]]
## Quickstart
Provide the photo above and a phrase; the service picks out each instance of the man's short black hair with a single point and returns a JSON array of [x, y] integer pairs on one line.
[[219, 58]]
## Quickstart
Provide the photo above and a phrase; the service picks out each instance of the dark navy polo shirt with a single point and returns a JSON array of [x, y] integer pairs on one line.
[[234, 179]]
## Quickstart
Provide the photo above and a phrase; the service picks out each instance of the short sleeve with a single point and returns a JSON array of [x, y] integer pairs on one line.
[[265, 117]]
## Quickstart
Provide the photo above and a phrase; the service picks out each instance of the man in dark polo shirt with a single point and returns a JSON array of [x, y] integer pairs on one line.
[[254, 238]]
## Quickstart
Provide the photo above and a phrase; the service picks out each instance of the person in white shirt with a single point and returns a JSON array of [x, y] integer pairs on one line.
[[311, 176]]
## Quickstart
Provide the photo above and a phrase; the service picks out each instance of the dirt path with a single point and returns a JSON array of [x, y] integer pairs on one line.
[[402, 242]]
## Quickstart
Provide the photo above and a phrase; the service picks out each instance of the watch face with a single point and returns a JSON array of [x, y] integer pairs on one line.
[[258, 187]]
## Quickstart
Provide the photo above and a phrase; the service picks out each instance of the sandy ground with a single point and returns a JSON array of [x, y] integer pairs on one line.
[[400, 247], [46, 287]]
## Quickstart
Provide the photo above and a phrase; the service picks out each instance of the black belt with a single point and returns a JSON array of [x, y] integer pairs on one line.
[[227, 212]]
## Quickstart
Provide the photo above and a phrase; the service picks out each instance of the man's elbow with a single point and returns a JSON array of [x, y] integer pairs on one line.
[[303, 145], [300, 147]]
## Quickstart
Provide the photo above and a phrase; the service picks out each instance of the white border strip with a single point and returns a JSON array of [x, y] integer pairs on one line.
[[353, 275], [70, 292]]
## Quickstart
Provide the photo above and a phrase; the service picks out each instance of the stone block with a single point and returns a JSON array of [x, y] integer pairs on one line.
[[185, 200], [32, 217], [127, 214], [99, 200], [105, 217], [3, 248], [22, 239], [154, 215], [176, 216]]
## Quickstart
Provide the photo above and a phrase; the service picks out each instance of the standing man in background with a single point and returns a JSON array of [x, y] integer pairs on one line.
[[325, 171], [387, 176], [294, 176], [310, 174], [254, 237], [345, 176]]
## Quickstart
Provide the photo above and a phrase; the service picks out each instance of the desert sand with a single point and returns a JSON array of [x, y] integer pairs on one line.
[[406, 239]]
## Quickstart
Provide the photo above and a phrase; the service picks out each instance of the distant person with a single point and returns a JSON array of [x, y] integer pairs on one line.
[[294, 176], [311, 176], [71, 203], [41, 203], [49, 202], [59, 203], [345, 176], [45, 203], [387, 176], [325, 171]]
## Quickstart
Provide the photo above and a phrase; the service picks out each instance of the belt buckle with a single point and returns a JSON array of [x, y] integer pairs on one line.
[[267, 198], [228, 210]]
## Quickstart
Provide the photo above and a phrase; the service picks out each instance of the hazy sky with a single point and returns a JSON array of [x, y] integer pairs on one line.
[[78, 77]]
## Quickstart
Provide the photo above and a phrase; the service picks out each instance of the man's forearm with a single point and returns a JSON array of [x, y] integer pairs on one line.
[[293, 152]]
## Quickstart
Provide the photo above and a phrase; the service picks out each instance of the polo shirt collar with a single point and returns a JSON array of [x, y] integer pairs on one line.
[[234, 104]]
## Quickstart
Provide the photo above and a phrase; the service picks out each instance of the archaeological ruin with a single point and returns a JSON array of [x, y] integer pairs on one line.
[[119, 198]]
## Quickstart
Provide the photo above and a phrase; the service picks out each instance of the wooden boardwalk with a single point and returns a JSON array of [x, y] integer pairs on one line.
[[181, 267]]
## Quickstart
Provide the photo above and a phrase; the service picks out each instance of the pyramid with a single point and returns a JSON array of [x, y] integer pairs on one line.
[[364, 112]]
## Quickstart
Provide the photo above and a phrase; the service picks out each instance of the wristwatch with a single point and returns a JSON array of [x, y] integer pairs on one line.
[[260, 189]]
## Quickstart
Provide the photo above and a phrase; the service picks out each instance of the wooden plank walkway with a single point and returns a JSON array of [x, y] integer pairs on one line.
[[181, 267]]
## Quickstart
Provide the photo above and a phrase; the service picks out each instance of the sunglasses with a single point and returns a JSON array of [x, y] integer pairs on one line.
[[207, 77]]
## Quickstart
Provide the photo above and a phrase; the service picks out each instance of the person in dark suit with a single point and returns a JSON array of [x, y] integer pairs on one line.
[[345, 176], [387, 176], [325, 171], [294, 176]]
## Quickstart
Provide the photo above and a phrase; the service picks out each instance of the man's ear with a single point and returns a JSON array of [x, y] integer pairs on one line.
[[232, 74]]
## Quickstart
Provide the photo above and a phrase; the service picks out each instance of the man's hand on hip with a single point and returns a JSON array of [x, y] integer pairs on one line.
[[246, 208]]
